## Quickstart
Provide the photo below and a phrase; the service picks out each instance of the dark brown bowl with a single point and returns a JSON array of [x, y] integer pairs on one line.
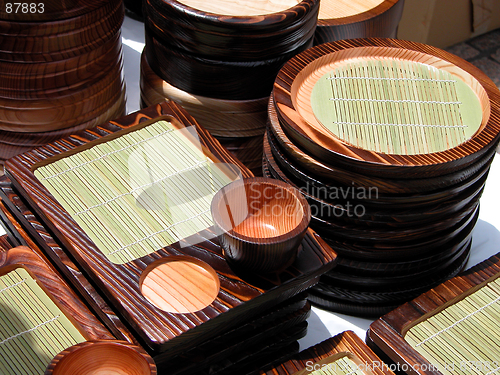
[[101, 358], [261, 223]]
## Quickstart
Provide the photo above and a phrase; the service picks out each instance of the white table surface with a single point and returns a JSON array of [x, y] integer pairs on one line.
[[324, 324]]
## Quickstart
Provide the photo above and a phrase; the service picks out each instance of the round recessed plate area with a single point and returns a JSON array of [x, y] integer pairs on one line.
[[243, 8], [180, 285], [394, 106]]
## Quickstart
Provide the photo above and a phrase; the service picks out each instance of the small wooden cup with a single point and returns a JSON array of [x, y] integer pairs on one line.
[[260, 223], [102, 358]]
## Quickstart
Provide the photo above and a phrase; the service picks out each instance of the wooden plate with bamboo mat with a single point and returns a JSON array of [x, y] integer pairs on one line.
[[135, 259], [347, 19], [41, 316], [388, 108], [343, 354], [234, 344], [448, 330]]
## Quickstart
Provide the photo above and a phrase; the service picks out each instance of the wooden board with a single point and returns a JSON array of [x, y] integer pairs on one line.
[[41, 315], [390, 333], [345, 353], [240, 296]]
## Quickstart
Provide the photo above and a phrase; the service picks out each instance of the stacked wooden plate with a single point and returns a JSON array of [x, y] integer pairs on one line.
[[60, 71], [219, 60], [348, 19], [391, 143]]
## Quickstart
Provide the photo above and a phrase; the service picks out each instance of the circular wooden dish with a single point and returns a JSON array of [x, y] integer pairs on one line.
[[310, 170], [222, 118], [37, 42], [205, 76], [347, 19], [344, 205], [233, 31], [56, 10], [372, 153]]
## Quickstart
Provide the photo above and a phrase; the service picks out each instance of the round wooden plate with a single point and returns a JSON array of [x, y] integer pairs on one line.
[[297, 80]]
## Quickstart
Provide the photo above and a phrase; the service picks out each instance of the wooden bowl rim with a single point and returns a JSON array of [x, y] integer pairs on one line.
[[360, 17], [292, 191]]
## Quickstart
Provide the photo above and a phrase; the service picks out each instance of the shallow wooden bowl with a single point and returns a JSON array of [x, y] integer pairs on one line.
[[101, 358], [295, 83], [222, 118], [228, 31], [260, 223], [346, 19], [59, 40]]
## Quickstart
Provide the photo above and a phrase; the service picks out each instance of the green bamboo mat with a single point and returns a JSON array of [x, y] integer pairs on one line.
[[341, 366], [396, 107], [138, 193], [33, 329], [464, 338]]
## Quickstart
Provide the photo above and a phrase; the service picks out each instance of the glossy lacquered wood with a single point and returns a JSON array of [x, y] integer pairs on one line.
[[386, 335], [357, 19], [163, 331], [261, 223], [102, 357], [307, 133], [323, 356]]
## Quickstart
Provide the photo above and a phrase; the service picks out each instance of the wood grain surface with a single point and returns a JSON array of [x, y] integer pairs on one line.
[[345, 344], [30, 232], [326, 147], [237, 299], [387, 333], [357, 19]]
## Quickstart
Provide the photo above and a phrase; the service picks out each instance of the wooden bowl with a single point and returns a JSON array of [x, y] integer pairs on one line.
[[222, 118], [233, 31], [260, 222], [299, 87], [347, 19], [102, 358], [58, 40]]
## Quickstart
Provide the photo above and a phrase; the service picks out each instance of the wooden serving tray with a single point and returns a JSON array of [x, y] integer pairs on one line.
[[25, 229], [326, 357], [239, 298], [41, 315], [457, 337]]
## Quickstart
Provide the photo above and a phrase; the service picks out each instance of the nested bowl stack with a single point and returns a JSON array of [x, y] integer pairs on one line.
[[349, 19], [60, 71], [390, 142], [219, 60]]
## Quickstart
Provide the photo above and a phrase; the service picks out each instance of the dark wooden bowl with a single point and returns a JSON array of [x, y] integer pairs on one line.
[[229, 31], [102, 357], [57, 10], [222, 118], [206, 76], [260, 223], [296, 80], [347, 19], [59, 40]]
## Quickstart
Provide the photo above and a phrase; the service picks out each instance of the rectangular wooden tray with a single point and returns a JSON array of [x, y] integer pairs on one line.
[[387, 335], [239, 298], [345, 353], [41, 315]]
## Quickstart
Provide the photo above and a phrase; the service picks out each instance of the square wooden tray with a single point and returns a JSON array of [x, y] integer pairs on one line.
[[239, 298]]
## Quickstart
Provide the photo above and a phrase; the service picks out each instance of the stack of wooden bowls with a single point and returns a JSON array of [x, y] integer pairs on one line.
[[60, 71], [349, 19], [219, 60], [391, 143]]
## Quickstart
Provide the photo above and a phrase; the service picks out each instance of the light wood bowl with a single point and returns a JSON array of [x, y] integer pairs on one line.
[[261, 222], [348, 19], [102, 358]]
